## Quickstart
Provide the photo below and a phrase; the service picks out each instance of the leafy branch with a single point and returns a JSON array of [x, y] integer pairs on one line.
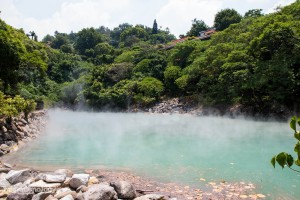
[[285, 159]]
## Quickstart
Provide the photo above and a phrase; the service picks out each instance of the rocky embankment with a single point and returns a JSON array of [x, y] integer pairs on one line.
[[175, 106], [20, 131], [63, 184], [185, 106]]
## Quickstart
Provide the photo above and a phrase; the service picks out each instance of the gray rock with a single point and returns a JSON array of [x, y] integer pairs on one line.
[[41, 196], [100, 192], [68, 197], [66, 172], [3, 182], [41, 186], [19, 196], [78, 180], [18, 176], [124, 189], [4, 129], [152, 197], [7, 165], [52, 177]]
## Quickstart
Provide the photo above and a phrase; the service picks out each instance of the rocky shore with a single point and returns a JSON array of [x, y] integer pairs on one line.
[[186, 106], [23, 184], [64, 184], [20, 131]]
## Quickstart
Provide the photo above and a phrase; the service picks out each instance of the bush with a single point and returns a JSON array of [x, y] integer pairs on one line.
[[11, 107]]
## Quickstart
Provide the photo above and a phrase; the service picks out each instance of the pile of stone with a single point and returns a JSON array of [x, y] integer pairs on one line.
[[20, 130], [171, 106], [62, 184]]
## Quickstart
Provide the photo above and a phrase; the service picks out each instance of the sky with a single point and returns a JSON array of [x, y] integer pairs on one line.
[[47, 16]]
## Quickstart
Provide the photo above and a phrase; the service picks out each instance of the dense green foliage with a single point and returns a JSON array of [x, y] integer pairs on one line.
[[287, 160], [225, 18], [11, 107], [252, 61]]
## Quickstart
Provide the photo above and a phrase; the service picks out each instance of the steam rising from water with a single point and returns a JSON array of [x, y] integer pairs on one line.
[[168, 147]]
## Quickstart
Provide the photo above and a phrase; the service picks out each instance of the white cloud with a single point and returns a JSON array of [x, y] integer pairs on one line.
[[178, 14], [279, 3], [73, 15]]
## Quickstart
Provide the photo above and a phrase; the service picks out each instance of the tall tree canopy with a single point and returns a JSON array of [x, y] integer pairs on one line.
[[225, 18], [155, 27]]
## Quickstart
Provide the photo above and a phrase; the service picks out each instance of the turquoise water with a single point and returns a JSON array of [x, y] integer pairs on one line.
[[179, 148]]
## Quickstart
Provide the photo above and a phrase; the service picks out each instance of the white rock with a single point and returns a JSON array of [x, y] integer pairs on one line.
[[78, 180], [68, 197], [100, 192], [52, 178]]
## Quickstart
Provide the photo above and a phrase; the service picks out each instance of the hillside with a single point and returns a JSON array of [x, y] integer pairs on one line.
[[253, 64]]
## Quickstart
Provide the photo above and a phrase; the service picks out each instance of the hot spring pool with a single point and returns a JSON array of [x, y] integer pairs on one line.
[[179, 148]]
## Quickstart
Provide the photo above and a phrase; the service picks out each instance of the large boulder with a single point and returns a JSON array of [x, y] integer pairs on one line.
[[52, 177], [78, 180], [124, 189], [18, 176], [100, 192], [152, 197]]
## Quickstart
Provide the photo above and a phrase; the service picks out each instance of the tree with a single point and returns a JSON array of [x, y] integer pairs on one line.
[[11, 51], [197, 27], [253, 13], [87, 39], [225, 18], [284, 159], [155, 27]]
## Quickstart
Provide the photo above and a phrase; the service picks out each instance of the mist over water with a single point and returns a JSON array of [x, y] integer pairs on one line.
[[179, 148]]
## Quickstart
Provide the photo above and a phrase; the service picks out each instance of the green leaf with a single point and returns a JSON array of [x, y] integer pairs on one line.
[[297, 162], [299, 121], [293, 123], [297, 135], [297, 148], [290, 160], [273, 161], [281, 159]]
